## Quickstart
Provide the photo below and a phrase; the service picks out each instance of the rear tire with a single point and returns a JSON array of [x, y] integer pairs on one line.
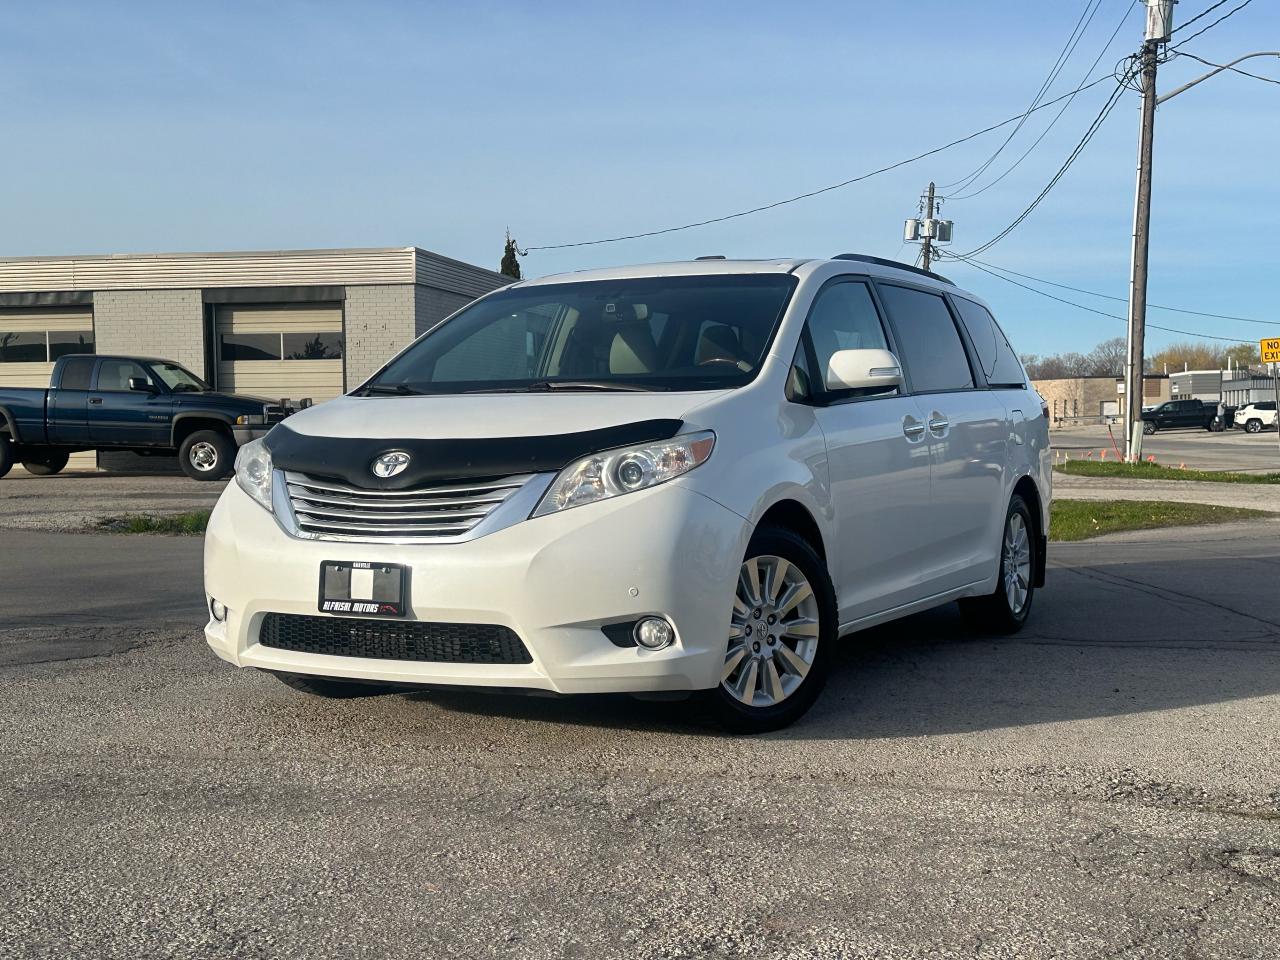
[[47, 466], [1005, 609], [6, 456], [331, 688], [782, 634], [207, 455]]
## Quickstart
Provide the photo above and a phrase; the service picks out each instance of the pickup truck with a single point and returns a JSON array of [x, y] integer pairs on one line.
[[140, 404], [1179, 413]]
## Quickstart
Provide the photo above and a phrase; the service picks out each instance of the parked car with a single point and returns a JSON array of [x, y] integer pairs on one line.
[[140, 404], [655, 480], [1173, 414], [1254, 417]]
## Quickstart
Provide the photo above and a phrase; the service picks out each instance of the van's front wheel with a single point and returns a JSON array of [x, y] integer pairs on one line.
[[781, 634]]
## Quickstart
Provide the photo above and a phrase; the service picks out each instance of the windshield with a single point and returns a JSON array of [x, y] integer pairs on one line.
[[653, 333], [178, 379]]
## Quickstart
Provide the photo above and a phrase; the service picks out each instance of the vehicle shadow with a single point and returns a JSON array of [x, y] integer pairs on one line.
[[1106, 639]]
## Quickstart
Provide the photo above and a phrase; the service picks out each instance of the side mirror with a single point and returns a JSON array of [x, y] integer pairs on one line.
[[863, 370], [141, 385]]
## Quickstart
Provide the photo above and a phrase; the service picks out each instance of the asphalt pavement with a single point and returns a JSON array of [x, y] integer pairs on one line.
[[1107, 784], [1197, 449]]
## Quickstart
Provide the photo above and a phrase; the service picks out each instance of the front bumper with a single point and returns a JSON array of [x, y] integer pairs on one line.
[[555, 581]]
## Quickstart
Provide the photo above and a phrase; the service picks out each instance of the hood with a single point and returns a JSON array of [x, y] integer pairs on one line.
[[216, 398], [476, 435], [490, 415]]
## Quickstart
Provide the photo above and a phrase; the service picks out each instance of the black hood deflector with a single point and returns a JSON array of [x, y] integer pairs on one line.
[[350, 459]]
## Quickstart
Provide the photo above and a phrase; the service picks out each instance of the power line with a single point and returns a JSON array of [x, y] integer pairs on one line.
[[814, 193], [1108, 296], [1229, 13], [1084, 141], [1061, 110], [1077, 32], [1199, 16], [1209, 63], [1101, 313]]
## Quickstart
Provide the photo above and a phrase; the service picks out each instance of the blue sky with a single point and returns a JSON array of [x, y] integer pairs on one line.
[[137, 127]]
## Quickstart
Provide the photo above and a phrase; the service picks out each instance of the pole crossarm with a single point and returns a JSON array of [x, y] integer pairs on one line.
[[1213, 73]]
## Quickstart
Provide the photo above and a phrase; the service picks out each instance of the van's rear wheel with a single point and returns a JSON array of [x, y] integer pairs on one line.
[[1006, 608], [47, 465], [781, 633], [207, 455], [331, 688]]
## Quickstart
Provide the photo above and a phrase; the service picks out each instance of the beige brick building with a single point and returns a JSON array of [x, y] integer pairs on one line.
[[282, 324], [1082, 400]]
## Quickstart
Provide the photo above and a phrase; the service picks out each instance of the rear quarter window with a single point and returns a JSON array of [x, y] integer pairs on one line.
[[999, 363]]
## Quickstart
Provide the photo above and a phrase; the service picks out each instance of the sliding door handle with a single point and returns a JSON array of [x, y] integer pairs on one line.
[[938, 423]]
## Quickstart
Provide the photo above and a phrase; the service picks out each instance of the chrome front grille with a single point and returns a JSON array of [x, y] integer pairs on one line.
[[332, 510]]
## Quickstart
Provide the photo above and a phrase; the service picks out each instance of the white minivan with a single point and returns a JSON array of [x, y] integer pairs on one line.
[[656, 480]]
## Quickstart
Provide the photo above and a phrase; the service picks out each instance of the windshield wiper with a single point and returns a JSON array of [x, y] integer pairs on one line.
[[544, 386], [391, 389]]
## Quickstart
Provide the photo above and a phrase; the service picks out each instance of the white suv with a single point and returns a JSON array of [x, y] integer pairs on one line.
[[1254, 417], [683, 477]]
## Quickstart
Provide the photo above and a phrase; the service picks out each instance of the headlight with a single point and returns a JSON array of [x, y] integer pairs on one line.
[[625, 470], [253, 471]]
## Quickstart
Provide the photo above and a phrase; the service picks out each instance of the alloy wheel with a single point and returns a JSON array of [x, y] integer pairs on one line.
[[1017, 564], [773, 634]]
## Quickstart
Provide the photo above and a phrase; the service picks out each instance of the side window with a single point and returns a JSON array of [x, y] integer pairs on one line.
[[928, 339], [115, 374], [999, 363], [76, 374], [843, 317]]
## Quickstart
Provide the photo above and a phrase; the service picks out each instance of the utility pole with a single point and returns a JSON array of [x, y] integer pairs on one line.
[[926, 228], [926, 253], [1159, 27]]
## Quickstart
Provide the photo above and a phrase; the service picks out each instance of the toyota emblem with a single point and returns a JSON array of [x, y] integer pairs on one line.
[[390, 464]]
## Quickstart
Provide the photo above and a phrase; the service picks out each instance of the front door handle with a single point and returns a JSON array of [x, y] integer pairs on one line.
[[95, 399], [912, 427], [938, 423]]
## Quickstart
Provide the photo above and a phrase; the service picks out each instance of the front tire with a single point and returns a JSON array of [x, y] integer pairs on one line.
[[1253, 426], [1005, 609], [46, 466], [782, 633], [1148, 427], [331, 688], [6, 456], [207, 455]]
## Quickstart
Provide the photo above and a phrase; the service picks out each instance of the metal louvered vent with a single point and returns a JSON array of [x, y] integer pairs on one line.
[[332, 510], [393, 639]]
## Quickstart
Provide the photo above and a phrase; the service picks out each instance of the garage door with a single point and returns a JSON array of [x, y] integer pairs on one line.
[[291, 351], [31, 339]]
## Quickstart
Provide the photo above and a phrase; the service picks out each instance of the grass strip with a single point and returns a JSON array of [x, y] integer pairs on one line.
[[179, 524], [1156, 471], [1082, 519]]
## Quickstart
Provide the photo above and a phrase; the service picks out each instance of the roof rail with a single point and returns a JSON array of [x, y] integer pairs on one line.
[[864, 258]]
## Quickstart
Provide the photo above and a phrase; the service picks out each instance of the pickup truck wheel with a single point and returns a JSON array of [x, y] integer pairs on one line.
[[46, 466], [6, 456], [782, 633], [1148, 427], [207, 455], [331, 688], [1253, 426], [1006, 608]]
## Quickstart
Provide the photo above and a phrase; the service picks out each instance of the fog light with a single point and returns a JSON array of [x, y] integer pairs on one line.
[[654, 633], [218, 609]]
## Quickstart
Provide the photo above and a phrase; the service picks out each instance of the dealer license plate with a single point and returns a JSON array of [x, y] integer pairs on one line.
[[363, 588]]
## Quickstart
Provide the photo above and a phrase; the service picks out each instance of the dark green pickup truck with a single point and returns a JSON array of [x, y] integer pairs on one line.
[[141, 404]]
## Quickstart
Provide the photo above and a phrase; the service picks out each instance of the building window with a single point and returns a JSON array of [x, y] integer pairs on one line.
[[64, 342], [40, 346], [308, 345]]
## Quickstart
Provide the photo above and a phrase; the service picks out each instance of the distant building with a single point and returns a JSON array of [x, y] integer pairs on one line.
[[1203, 385], [1075, 401], [1246, 387]]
